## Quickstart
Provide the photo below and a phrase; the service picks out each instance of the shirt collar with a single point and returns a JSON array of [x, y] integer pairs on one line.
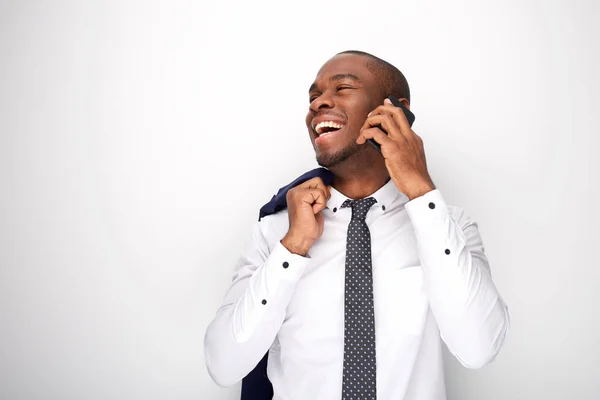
[[386, 197]]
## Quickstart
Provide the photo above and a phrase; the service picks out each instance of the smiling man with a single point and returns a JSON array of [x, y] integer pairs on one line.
[[353, 288]]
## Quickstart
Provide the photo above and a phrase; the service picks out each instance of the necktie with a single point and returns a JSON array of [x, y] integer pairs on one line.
[[359, 376]]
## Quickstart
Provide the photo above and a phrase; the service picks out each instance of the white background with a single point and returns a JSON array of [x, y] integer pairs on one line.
[[139, 139]]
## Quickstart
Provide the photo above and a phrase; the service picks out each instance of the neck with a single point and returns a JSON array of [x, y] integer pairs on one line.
[[359, 177]]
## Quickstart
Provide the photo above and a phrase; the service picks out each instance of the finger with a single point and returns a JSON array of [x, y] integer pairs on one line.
[[376, 134], [386, 122], [399, 118], [397, 112], [316, 198], [378, 110], [316, 183]]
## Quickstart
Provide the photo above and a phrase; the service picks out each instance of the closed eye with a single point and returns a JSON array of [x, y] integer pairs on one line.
[[313, 98]]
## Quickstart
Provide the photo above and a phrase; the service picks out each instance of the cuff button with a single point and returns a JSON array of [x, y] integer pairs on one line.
[[447, 251], [286, 264], [431, 205], [264, 301]]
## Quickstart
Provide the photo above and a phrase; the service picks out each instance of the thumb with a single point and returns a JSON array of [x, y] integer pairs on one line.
[[317, 207]]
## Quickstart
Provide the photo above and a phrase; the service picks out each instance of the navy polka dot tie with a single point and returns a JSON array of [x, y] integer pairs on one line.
[[358, 381]]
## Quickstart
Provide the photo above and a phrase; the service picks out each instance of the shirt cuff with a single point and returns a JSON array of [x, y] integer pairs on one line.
[[427, 212], [270, 291], [283, 266]]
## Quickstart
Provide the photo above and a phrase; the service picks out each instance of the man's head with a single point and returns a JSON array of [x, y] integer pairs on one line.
[[348, 87]]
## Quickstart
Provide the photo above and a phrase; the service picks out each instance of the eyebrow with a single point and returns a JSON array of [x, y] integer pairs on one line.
[[337, 77]]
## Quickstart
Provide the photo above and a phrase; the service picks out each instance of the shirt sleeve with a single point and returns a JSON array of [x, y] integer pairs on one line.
[[470, 313], [253, 309]]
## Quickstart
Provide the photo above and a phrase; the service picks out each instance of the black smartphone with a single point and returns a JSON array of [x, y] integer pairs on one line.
[[409, 116]]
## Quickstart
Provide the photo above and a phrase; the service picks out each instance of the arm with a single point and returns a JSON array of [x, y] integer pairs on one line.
[[253, 310], [472, 317]]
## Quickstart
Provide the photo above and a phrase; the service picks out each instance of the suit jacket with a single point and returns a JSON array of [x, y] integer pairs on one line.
[[256, 385]]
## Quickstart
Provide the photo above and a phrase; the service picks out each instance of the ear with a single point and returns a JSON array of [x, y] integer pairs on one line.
[[405, 102]]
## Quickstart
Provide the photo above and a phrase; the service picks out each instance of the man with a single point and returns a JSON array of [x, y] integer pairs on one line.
[[352, 289]]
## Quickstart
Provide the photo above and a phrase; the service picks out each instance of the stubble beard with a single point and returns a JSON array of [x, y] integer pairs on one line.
[[329, 160]]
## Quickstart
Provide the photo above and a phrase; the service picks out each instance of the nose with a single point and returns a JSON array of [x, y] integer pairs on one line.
[[323, 101]]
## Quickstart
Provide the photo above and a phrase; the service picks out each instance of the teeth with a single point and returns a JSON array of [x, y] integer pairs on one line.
[[329, 124]]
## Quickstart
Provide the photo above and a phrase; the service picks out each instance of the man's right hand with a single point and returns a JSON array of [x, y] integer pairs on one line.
[[305, 203]]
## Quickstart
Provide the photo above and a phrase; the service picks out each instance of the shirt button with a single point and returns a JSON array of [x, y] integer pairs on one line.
[[286, 264], [447, 251], [431, 205], [383, 208], [334, 209], [264, 301]]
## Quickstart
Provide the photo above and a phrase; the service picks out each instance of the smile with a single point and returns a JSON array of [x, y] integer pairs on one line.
[[326, 127], [327, 133]]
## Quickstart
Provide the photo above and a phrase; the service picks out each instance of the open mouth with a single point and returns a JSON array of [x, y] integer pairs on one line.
[[326, 128]]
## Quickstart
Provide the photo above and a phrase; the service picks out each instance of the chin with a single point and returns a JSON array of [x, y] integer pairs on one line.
[[329, 160]]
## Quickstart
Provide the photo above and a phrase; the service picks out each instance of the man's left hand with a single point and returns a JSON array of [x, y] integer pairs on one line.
[[401, 148]]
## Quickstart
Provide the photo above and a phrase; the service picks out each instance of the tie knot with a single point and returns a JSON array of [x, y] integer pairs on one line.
[[359, 207]]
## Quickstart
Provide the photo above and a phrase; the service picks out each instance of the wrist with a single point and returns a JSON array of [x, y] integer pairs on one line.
[[414, 193], [296, 245], [418, 188]]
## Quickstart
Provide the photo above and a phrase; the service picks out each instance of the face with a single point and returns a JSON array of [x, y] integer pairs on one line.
[[342, 95]]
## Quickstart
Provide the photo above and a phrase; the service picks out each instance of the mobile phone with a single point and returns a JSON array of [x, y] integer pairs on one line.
[[409, 116]]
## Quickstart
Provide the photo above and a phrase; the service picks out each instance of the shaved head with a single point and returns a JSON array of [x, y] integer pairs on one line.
[[346, 89], [389, 78]]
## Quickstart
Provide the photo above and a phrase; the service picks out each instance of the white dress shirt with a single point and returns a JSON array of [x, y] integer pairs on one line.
[[431, 282]]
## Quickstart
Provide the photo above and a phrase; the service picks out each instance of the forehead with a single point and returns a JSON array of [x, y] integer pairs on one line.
[[341, 64]]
